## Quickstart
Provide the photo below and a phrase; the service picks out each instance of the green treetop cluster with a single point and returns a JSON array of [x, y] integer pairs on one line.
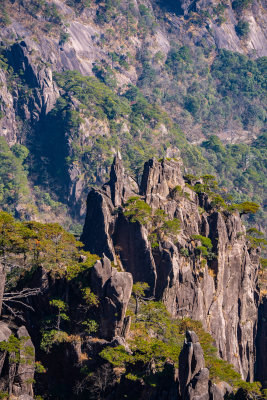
[[32, 244]]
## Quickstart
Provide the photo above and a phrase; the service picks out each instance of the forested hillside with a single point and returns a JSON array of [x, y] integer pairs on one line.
[[81, 80]]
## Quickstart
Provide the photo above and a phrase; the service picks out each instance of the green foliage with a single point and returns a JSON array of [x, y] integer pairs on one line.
[[153, 239], [164, 344], [240, 5], [59, 304], [74, 269], [178, 60], [13, 346], [206, 242], [241, 169], [248, 207], [89, 297], [230, 90], [184, 252], [171, 227], [202, 250], [32, 244], [263, 262], [53, 337], [242, 29], [156, 337], [255, 242], [255, 232], [117, 356], [4, 17], [192, 104], [64, 37], [178, 189], [20, 353], [61, 308], [139, 289], [218, 202], [96, 96], [205, 250], [90, 326], [238, 75], [137, 210], [13, 175]]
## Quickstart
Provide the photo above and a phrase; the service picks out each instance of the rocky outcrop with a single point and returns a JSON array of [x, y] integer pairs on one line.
[[113, 289], [194, 382], [25, 370], [219, 290], [101, 210], [17, 366]]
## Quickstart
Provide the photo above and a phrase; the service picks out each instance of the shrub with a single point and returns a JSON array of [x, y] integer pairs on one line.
[[50, 338], [90, 326], [184, 252], [90, 298], [263, 263], [171, 227], [137, 210], [248, 207], [192, 104], [242, 29], [4, 17], [206, 242], [240, 5]]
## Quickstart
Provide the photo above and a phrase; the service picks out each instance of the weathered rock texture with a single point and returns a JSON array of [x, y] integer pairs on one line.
[[17, 369], [113, 289], [222, 292], [194, 382]]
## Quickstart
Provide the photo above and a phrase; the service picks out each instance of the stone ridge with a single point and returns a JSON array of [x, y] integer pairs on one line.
[[221, 292]]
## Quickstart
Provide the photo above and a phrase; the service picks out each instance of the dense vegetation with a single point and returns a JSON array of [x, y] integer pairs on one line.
[[30, 245], [13, 175]]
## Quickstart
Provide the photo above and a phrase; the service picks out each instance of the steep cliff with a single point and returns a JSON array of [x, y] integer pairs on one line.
[[217, 286], [170, 51]]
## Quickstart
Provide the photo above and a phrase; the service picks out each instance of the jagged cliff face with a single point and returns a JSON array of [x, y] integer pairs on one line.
[[34, 50], [221, 292]]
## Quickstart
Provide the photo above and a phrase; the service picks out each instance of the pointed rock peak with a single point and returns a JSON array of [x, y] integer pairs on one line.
[[116, 181], [121, 185], [117, 159], [117, 170], [161, 176], [118, 155], [191, 336]]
